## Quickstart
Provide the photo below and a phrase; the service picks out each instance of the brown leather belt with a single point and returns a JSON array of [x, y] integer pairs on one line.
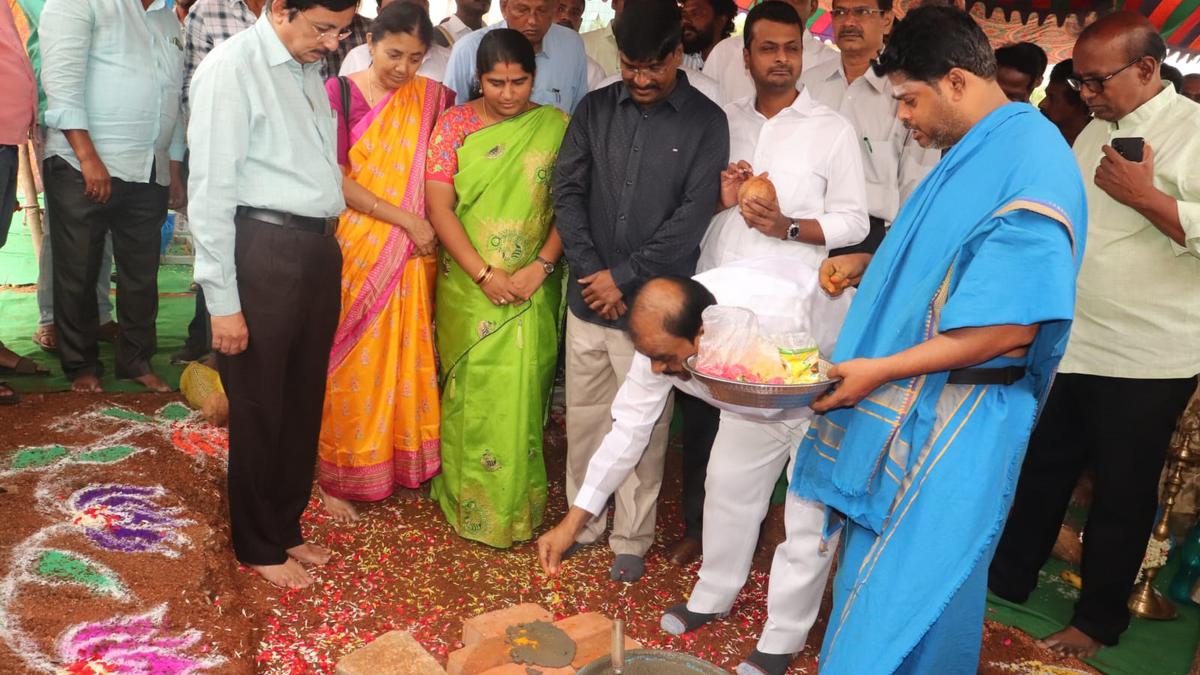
[[322, 226], [1007, 375]]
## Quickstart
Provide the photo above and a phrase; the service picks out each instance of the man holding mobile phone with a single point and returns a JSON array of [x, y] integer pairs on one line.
[[1131, 363]]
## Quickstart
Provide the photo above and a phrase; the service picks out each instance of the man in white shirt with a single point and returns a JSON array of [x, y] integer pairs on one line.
[[433, 66], [810, 153], [893, 161], [752, 447], [601, 44], [727, 65], [467, 17]]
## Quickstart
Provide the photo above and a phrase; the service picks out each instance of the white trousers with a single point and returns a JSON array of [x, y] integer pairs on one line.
[[747, 458]]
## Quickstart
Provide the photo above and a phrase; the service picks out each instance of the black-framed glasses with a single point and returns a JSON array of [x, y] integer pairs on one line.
[[1096, 84], [654, 70], [857, 12], [326, 34]]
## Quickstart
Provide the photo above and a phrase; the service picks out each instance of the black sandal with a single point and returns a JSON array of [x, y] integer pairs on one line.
[[8, 395]]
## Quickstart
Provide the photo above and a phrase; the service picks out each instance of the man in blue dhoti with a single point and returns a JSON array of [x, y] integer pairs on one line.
[[948, 349]]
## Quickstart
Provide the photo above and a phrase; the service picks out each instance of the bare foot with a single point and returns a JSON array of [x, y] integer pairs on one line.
[[1072, 642], [339, 509], [290, 574], [86, 384], [310, 554], [152, 382]]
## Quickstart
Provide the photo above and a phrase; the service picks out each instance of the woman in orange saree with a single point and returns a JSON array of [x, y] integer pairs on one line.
[[380, 427]]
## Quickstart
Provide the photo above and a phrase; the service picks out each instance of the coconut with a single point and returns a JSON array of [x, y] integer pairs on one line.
[[756, 186]]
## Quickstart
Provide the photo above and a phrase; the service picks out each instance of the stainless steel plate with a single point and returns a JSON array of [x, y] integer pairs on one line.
[[753, 395]]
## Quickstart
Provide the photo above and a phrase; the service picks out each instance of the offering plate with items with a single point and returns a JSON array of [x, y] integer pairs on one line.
[[762, 395]]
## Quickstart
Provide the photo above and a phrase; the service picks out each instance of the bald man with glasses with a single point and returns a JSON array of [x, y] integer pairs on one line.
[[1131, 363]]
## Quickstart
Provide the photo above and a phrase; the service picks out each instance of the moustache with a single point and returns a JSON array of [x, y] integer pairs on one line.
[[849, 32]]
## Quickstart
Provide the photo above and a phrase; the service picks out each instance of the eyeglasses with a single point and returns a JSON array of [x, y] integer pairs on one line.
[[326, 34], [858, 12], [1096, 84], [656, 70]]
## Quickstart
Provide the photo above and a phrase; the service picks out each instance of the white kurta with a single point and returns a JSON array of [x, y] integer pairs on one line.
[[752, 447]]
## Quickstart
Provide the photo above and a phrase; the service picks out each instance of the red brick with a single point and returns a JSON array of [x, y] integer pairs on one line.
[[393, 653], [493, 624], [583, 626], [479, 657]]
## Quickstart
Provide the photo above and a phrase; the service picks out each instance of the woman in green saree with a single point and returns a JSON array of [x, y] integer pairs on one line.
[[499, 299]]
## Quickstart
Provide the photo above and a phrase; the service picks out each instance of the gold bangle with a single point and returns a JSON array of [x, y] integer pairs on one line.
[[373, 207], [488, 277], [482, 273]]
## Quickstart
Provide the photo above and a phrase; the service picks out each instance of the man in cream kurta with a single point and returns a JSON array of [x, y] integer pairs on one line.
[[1134, 352]]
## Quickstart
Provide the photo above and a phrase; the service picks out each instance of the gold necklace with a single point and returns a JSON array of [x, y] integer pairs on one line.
[[370, 87]]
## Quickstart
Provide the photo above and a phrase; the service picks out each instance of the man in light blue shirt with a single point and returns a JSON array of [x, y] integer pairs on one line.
[[266, 193], [113, 147], [561, 79]]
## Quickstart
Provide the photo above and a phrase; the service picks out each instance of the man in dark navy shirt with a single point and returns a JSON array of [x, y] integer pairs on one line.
[[637, 180]]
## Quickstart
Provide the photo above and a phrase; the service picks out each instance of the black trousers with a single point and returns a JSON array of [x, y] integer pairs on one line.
[[700, 424], [134, 215], [289, 283], [199, 333], [870, 244], [1119, 428]]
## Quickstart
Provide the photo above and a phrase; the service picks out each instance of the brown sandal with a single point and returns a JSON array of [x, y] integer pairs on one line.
[[24, 366], [8, 395], [46, 338]]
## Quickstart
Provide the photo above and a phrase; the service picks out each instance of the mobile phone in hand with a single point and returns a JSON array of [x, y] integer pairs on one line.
[[1131, 148]]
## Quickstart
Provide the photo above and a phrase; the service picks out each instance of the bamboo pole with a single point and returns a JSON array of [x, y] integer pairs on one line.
[[29, 198]]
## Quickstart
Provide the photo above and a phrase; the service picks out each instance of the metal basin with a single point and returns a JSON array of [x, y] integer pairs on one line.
[[653, 662], [752, 395]]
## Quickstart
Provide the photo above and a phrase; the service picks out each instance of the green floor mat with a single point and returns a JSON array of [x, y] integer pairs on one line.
[[18, 265], [18, 320], [1148, 647]]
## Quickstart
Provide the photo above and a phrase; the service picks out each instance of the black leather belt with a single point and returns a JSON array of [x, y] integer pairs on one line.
[[322, 226], [1006, 375]]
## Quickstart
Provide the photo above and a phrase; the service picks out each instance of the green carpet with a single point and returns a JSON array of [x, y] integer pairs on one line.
[[1157, 647], [19, 317], [18, 265]]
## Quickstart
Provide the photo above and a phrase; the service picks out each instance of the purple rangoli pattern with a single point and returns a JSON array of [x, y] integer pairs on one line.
[[127, 518]]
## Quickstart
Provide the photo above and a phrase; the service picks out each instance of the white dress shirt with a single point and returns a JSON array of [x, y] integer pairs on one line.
[[693, 61], [783, 295], [433, 66], [727, 66], [894, 163], [703, 83], [456, 28], [595, 74], [810, 154], [601, 47]]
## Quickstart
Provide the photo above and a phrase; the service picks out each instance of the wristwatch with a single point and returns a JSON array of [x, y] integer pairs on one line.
[[793, 230], [547, 266]]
